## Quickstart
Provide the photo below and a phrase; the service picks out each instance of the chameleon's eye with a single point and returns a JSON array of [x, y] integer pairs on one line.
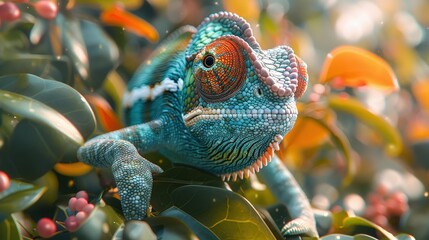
[[220, 69], [208, 61]]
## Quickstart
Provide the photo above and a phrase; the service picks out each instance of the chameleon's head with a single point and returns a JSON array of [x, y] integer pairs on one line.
[[239, 100]]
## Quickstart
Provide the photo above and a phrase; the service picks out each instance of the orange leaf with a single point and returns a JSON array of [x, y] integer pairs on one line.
[[105, 114], [420, 90], [307, 133], [119, 17], [72, 169], [354, 67]]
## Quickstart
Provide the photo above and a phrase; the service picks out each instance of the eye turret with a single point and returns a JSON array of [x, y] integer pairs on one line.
[[220, 70]]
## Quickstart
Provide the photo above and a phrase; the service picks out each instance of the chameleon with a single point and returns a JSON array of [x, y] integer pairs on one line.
[[210, 98]]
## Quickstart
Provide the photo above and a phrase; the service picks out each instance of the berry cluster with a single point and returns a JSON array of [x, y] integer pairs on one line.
[[9, 11], [78, 210], [384, 205]]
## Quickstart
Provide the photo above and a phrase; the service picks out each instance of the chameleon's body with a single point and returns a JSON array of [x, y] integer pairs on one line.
[[212, 99]]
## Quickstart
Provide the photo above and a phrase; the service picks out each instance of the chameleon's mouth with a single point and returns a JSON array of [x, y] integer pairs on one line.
[[257, 165], [279, 113]]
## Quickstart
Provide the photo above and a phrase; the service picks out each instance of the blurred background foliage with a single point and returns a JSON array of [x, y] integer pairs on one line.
[[360, 147]]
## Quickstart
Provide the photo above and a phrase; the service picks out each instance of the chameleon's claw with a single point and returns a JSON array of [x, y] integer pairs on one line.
[[300, 226]]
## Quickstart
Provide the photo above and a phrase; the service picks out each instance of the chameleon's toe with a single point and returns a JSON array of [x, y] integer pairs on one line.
[[300, 226], [134, 180]]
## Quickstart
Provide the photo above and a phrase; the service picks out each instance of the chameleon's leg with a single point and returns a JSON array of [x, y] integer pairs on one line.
[[284, 186], [132, 173]]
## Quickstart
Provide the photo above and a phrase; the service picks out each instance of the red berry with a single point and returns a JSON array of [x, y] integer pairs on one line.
[[81, 203], [82, 194], [399, 197], [4, 181], [9, 11], [46, 227], [46, 9], [374, 198], [72, 204], [380, 220], [71, 223], [88, 208], [382, 190], [81, 216], [396, 208]]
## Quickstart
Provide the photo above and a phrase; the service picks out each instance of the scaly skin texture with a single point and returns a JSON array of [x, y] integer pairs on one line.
[[210, 98]]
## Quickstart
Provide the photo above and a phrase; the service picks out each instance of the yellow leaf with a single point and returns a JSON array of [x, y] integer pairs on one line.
[[128, 4], [130, 22], [248, 10], [354, 67], [391, 136], [72, 169]]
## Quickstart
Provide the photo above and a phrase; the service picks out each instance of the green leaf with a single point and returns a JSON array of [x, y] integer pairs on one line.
[[138, 230], [55, 95], [170, 228], [165, 183], [34, 149], [103, 53], [200, 230], [45, 66], [73, 43], [337, 237], [9, 229], [337, 136], [358, 221], [225, 213], [404, 236], [18, 197], [390, 134], [25, 107]]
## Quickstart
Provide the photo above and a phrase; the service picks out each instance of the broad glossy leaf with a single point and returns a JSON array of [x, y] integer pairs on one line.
[[200, 230], [75, 169], [73, 43], [167, 227], [354, 67], [18, 197], [165, 183], [34, 148], [26, 107], [138, 230], [9, 229], [225, 213], [103, 53], [337, 237], [119, 17], [51, 95], [351, 106], [358, 221], [44, 66]]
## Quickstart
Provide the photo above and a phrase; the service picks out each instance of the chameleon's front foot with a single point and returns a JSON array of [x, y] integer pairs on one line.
[[133, 178], [300, 226]]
